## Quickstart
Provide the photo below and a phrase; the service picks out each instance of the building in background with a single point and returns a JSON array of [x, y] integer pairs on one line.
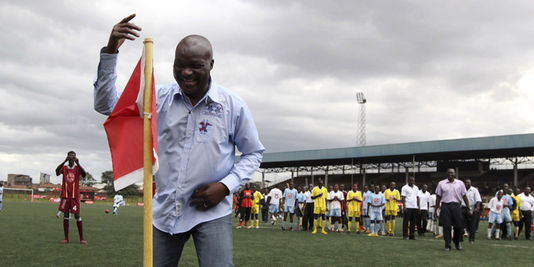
[[19, 179]]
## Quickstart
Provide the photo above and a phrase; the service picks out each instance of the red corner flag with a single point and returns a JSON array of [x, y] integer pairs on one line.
[[124, 128]]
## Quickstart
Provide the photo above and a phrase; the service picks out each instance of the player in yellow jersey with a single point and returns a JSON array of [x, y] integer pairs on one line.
[[319, 195], [516, 215], [257, 197], [354, 198], [392, 196]]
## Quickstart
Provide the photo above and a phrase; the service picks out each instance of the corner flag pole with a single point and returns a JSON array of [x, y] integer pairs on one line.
[[147, 155]]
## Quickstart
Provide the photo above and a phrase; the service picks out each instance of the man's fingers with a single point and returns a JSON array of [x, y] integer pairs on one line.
[[128, 18]]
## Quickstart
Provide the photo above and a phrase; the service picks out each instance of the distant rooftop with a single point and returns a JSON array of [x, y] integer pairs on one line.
[[465, 148]]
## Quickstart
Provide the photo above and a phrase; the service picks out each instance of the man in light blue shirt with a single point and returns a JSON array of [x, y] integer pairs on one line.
[[199, 125], [290, 198], [508, 204], [376, 202], [365, 203]]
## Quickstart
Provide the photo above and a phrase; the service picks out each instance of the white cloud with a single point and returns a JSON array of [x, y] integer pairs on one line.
[[429, 70]]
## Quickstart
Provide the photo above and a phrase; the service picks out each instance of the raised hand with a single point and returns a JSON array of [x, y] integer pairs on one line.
[[121, 31]]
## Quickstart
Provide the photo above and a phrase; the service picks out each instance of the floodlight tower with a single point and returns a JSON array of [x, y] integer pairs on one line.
[[361, 120]]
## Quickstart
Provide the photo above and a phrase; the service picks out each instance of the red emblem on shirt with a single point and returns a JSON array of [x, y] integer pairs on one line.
[[204, 126]]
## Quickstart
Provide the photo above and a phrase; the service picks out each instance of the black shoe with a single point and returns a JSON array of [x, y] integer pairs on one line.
[[405, 238], [412, 238], [459, 247]]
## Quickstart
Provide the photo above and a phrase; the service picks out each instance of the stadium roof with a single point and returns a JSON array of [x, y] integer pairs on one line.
[[466, 148]]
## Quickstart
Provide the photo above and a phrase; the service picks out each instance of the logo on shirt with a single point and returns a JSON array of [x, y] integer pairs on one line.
[[376, 200], [70, 177], [203, 126], [213, 109]]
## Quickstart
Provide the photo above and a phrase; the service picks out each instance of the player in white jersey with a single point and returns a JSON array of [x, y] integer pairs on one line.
[[431, 226], [118, 201], [1, 194], [274, 203], [495, 206]]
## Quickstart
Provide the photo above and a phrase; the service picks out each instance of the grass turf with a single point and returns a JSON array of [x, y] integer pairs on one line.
[[30, 235]]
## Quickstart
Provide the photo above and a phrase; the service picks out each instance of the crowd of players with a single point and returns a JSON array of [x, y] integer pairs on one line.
[[374, 209]]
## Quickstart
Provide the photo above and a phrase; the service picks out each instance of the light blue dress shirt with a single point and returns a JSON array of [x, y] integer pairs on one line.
[[196, 146]]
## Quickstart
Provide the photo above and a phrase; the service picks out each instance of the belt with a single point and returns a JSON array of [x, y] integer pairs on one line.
[[450, 203]]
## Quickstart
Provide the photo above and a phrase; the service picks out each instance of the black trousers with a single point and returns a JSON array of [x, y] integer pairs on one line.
[[423, 216], [451, 215], [307, 219], [526, 221], [471, 222], [245, 213], [265, 213], [409, 216]]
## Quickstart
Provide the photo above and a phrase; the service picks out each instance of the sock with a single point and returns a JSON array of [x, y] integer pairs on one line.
[[489, 233], [80, 229], [350, 225], [284, 224], [115, 210], [257, 223], [357, 226], [66, 228], [516, 231], [58, 213], [323, 224], [290, 225], [440, 230], [372, 228], [240, 222], [393, 226], [508, 229], [497, 233], [246, 223], [315, 225]]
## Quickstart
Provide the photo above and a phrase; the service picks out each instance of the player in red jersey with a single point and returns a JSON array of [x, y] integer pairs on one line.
[[70, 193], [246, 205]]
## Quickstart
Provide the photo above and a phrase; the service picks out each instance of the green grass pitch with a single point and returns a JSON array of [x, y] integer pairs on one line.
[[30, 235]]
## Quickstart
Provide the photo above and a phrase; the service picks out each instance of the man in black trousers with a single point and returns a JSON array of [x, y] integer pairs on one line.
[[307, 219], [449, 195], [472, 219], [410, 208]]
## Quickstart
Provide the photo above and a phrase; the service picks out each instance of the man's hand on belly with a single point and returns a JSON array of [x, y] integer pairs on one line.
[[209, 195]]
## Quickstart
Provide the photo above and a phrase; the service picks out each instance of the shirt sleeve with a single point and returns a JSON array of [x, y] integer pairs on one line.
[[105, 92], [403, 192], [438, 190], [247, 140]]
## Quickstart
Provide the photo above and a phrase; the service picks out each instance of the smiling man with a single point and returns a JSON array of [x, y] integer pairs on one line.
[[199, 126]]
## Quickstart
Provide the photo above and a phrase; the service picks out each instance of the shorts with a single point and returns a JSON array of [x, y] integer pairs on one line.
[[255, 209], [391, 212], [354, 213], [375, 214], [273, 208], [335, 213], [69, 205], [495, 217], [290, 209], [515, 216], [319, 210], [506, 215]]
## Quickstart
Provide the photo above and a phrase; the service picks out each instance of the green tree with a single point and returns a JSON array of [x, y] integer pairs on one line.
[[88, 180], [107, 177]]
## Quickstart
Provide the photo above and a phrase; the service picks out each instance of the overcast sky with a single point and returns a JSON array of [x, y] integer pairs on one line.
[[429, 69]]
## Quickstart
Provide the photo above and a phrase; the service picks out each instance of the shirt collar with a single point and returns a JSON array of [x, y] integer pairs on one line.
[[213, 94]]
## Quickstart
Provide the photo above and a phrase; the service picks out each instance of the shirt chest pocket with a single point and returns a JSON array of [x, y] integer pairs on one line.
[[210, 128]]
